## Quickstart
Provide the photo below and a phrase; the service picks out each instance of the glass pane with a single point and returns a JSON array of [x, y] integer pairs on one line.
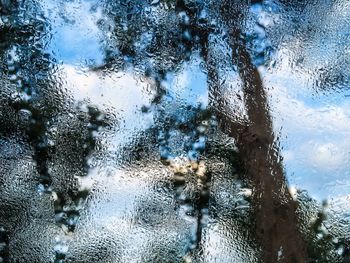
[[174, 131]]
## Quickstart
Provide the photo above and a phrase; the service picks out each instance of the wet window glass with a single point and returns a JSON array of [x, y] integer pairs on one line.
[[174, 131]]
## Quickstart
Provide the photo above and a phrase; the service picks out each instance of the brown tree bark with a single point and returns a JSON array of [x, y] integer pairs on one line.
[[275, 209]]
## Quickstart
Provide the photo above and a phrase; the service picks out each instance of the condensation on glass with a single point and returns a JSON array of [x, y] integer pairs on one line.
[[174, 131]]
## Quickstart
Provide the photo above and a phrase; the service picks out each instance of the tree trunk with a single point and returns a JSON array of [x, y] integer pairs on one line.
[[275, 209]]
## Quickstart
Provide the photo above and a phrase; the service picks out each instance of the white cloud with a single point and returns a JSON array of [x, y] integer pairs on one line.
[[122, 94], [122, 91], [315, 133]]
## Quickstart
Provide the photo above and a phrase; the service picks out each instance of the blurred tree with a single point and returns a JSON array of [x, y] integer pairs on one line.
[[154, 38], [181, 28], [275, 209]]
